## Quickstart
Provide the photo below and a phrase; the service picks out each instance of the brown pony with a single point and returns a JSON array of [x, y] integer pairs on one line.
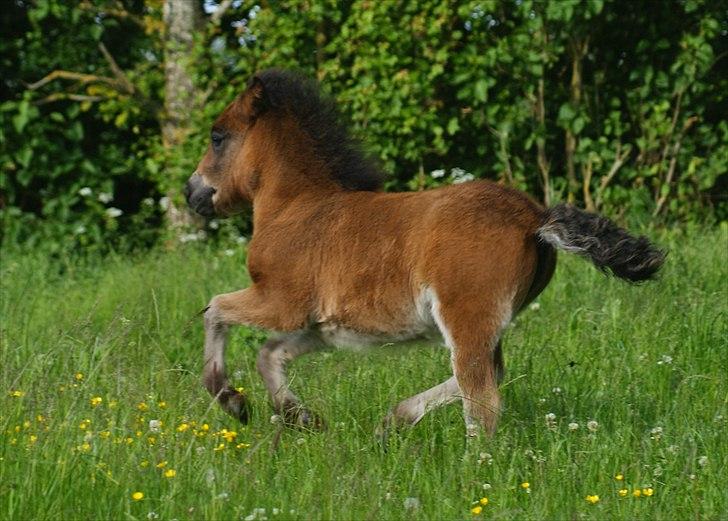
[[336, 262]]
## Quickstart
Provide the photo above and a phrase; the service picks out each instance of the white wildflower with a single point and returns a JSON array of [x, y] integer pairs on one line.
[[665, 359], [486, 458], [241, 240], [275, 511], [105, 197], [148, 201], [411, 503], [209, 477], [535, 306], [113, 212], [229, 252], [673, 449], [592, 425], [85, 191], [152, 515], [656, 433], [80, 229], [388, 496], [462, 177], [573, 426], [550, 417], [300, 441], [703, 461], [542, 400], [155, 425], [556, 390], [223, 496], [437, 174], [164, 203], [487, 486], [214, 224]]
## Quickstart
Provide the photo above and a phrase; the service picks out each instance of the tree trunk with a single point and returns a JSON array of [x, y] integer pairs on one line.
[[181, 19]]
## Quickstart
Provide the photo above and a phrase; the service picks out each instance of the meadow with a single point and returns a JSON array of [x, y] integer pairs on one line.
[[616, 402]]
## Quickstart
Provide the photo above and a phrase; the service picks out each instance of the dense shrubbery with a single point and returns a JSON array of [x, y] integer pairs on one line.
[[618, 106]]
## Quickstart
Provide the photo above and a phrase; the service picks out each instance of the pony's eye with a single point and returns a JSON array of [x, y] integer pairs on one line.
[[217, 138]]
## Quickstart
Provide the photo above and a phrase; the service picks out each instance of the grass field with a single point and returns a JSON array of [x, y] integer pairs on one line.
[[101, 400]]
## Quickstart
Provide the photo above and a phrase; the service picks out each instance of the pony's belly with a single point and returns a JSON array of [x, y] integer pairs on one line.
[[342, 337]]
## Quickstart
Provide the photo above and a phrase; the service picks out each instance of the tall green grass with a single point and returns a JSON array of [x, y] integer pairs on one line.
[[647, 364]]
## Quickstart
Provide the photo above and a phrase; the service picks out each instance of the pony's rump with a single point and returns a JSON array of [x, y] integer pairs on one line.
[[609, 247]]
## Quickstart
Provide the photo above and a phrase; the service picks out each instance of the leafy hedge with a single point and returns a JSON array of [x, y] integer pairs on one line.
[[617, 106]]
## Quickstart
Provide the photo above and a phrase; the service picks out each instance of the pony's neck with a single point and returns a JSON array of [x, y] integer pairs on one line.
[[289, 171]]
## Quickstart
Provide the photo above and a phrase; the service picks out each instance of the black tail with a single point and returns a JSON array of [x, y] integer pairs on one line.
[[606, 244]]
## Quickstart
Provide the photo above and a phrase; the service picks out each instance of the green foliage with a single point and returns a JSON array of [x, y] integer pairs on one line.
[[647, 363], [609, 104]]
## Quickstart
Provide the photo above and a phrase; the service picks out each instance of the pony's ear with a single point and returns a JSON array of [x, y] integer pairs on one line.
[[255, 100]]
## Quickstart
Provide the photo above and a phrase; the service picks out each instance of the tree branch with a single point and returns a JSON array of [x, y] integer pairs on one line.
[[74, 76], [116, 70]]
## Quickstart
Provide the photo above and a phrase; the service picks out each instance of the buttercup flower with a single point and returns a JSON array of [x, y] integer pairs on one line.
[[137, 496], [619, 477], [483, 501], [170, 473], [593, 499], [636, 492], [647, 492], [476, 510], [96, 400], [622, 492]]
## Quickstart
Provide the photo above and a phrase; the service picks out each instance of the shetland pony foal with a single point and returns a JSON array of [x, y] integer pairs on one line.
[[334, 261]]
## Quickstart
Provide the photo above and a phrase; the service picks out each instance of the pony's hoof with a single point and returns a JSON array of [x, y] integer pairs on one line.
[[236, 405], [296, 415]]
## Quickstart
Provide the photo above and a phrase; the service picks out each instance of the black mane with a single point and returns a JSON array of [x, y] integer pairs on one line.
[[318, 116]]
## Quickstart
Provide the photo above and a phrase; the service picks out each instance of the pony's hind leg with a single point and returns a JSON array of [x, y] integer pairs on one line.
[[273, 357], [410, 411], [473, 335]]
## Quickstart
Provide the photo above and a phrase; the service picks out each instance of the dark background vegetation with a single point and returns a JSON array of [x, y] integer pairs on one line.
[[618, 106]]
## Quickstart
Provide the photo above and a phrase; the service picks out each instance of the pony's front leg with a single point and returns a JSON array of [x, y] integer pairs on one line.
[[273, 357], [240, 307]]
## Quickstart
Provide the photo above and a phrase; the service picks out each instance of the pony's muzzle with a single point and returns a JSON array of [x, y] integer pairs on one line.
[[199, 196]]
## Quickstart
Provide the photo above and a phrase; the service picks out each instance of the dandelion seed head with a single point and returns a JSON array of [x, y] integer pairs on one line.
[[592, 425]]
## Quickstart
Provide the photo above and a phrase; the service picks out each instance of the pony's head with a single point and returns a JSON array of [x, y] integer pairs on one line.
[[280, 132]]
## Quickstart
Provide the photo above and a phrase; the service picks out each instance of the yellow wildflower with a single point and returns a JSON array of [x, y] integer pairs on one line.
[[78, 376], [144, 464], [26, 424], [152, 440], [593, 499], [619, 477], [142, 406], [162, 464], [84, 424], [40, 418], [113, 404], [241, 390], [129, 440], [96, 400], [17, 394], [137, 496], [85, 447], [647, 492], [623, 492], [219, 447], [637, 492], [476, 510], [242, 445], [483, 501], [182, 427], [162, 404], [229, 435], [104, 434], [33, 438], [170, 473], [205, 427], [525, 485]]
